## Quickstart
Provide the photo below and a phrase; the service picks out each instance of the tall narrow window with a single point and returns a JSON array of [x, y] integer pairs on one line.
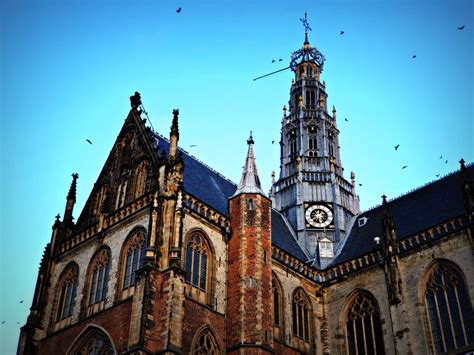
[[121, 192], [98, 280], [449, 309], [363, 326], [133, 257], [292, 143], [67, 290], [277, 313], [196, 262], [140, 178], [300, 312]]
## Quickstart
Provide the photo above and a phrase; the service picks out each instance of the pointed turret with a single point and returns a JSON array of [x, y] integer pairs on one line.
[[250, 182], [71, 200], [174, 135]]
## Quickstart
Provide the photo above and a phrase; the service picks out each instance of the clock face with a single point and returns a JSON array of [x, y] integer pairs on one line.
[[318, 216]]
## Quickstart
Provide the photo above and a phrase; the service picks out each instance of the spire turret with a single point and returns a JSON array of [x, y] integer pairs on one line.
[[71, 200], [250, 182], [174, 135]]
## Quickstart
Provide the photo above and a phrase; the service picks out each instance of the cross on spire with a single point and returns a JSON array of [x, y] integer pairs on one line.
[[306, 26]]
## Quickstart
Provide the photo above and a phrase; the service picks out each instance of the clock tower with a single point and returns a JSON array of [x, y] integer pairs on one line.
[[311, 190]]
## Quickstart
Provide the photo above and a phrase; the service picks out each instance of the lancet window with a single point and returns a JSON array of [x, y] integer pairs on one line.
[[67, 292], [196, 262], [132, 259], [98, 280], [205, 344], [301, 313]]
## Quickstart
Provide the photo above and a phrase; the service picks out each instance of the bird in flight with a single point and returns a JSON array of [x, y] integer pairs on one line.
[[280, 60], [273, 142], [404, 167], [21, 301], [414, 56], [446, 162], [88, 141], [441, 157], [178, 11], [461, 28], [341, 33], [437, 175], [345, 119], [273, 60], [3, 322], [360, 184], [193, 145], [396, 147]]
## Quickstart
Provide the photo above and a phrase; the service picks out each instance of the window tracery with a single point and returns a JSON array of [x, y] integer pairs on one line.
[[98, 281], [300, 310], [363, 326], [196, 262], [449, 309], [67, 292], [205, 344], [93, 342], [133, 257]]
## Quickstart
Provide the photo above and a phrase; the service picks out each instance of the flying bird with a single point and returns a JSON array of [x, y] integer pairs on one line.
[[88, 141], [360, 184], [21, 301], [345, 119], [3, 322], [273, 61], [446, 162], [437, 175], [414, 56], [396, 147], [441, 157], [341, 33], [280, 60], [193, 145], [461, 28], [404, 167], [273, 142], [178, 11]]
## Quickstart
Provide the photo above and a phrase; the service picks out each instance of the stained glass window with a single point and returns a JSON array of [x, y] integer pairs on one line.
[[67, 293], [196, 262]]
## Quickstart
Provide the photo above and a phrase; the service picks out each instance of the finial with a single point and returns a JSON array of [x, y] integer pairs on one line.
[[135, 100], [353, 178], [174, 135], [334, 111], [58, 216], [462, 162], [273, 176], [174, 124], [384, 199], [72, 190], [284, 111], [306, 27], [250, 140]]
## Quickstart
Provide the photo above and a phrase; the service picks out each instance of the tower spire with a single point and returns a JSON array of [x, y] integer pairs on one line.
[[250, 182], [174, 135]]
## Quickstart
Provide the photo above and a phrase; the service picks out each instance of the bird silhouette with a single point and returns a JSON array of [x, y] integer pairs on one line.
[[345, 119], [360, 184], [437, 175], [404, 167], [414, 56], [280, 60], [273, 60], [461, 28], [3, 322], [88, 141], [441, 157], [21, 301], [193, 145], [273, 142], [396, 147], [446, 162], [178, 11], [341, 33]]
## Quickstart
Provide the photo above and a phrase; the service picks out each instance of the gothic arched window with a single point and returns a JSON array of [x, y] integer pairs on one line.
[[205, 343], [196, 262], [292, 143], [277, 312], [93, 342], [301, 313], [98, 280], [67, 290], [449, 309], [363, 326], [132, 259]]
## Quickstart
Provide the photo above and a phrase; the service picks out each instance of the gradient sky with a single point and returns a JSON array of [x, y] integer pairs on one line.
[[69, 67]]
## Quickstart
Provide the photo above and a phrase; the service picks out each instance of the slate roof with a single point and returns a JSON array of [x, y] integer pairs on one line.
[[283, 238], [414, 212], [201, 181], [214, 189]]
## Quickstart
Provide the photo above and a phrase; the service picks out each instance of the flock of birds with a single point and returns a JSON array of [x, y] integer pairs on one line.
[[5, 322]]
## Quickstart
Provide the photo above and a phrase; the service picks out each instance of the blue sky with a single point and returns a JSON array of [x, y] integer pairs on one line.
[[69, 67]]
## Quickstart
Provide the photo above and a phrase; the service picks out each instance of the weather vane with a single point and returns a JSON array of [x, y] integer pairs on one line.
[[305, 22]]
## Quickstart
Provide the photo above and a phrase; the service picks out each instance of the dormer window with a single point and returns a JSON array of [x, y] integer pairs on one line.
[[326, 248]]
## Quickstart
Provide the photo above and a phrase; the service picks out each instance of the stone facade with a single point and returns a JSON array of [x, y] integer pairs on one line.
[[197, 264]]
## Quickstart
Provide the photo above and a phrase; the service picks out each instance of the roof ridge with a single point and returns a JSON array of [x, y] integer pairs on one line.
[[417, 188], [197, 159]]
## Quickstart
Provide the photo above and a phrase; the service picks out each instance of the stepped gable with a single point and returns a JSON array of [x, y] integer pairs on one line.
[[412, 213], [283, 238], [201, 181]]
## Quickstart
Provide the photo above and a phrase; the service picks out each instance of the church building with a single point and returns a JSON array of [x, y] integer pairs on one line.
[[170, 257]]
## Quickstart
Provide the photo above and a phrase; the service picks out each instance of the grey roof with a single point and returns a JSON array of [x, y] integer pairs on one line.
[[283, 238], [412, 213], [250, 182], [201, 181]]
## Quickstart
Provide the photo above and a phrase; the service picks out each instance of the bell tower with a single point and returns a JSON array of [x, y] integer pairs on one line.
[[311, 190]]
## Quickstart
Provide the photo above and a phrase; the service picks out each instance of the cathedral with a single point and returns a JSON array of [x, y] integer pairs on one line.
[[170, 257]]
